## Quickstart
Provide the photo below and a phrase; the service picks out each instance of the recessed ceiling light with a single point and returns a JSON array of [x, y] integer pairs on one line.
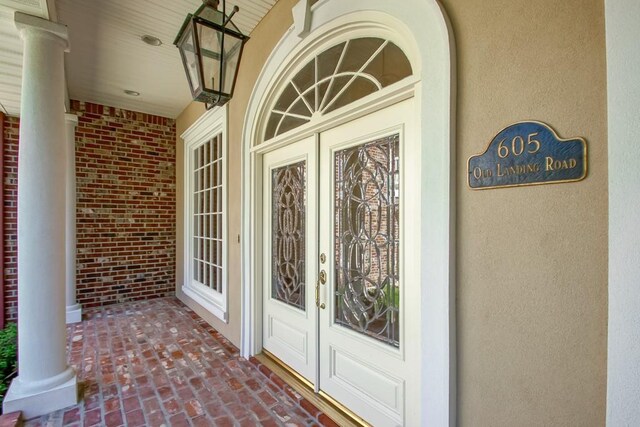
[[131, 92], [151, 40]]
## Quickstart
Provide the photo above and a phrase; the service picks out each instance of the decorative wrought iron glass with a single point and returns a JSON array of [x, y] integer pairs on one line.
[[367, 233], [337, 77], [210, 47], [288, 234]]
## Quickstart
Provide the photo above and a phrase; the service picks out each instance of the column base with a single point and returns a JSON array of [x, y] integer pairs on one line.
[[74, 313], [36, 403]]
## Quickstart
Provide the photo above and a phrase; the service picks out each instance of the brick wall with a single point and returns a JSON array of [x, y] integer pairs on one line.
[[10, 181], [125, 169]]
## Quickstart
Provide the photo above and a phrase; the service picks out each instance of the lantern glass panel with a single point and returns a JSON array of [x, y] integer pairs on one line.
[[210, 46], [232, 52], [190, 59], [212, 15]]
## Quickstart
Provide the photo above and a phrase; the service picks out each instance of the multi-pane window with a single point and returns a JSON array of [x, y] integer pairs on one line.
[[335, 78], [205, 230], [207, 213]]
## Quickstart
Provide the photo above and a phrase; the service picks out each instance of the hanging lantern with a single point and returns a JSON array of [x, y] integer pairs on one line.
[[211, 46]]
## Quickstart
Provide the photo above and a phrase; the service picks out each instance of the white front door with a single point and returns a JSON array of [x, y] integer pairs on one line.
[[363, 262], [289, 325]]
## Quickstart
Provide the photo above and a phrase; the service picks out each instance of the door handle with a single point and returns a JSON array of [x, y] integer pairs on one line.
[[322, 306]]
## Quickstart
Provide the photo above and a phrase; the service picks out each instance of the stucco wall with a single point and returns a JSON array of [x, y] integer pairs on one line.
[[263, 39], [531, 261]]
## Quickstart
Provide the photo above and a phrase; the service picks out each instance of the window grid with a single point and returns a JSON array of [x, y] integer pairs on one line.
[[207, 215], [335, 78]]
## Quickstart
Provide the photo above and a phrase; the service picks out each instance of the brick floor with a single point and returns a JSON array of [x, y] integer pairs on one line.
[[13, 419], [156, 362]]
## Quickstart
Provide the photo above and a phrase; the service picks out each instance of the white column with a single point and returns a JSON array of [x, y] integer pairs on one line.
[[623, 93], [45, 382], [74, 310]]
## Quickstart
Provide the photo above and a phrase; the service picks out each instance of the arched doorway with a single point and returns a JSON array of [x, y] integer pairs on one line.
[[336, 283]]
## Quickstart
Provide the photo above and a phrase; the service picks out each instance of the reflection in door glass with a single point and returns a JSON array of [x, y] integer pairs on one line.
[[288, 236], [367, 238]]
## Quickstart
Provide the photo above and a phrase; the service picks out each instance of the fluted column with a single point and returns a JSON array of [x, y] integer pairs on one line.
[[45, 382], [74, 310]]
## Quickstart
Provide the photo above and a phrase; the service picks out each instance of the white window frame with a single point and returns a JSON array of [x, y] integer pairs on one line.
[[210, 124]]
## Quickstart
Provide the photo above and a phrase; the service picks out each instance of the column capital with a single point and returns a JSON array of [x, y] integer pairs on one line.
[[27, 24], [70, 119]]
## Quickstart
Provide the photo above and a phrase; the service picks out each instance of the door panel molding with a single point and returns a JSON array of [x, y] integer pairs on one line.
[[382, 387], [287, 335]]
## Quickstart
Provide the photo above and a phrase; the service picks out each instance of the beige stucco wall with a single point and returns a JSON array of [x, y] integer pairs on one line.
[[263, 39], [531, 261]]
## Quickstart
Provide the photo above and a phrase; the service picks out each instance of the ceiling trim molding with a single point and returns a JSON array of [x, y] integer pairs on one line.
[[51, 10], [37, 8]]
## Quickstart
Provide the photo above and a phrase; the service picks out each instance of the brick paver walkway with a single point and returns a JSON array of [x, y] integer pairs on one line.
[[154, 363]]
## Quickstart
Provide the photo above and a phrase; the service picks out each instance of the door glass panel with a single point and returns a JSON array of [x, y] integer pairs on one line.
[[359, 52], [359, 88], [288, 234], [335, 78], [366, 211]]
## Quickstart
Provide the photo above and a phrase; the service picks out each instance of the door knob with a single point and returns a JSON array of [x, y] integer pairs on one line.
[[323, 277]]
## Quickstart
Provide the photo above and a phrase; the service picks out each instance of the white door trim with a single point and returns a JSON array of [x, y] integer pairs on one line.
[[421, 29], [623, 103]]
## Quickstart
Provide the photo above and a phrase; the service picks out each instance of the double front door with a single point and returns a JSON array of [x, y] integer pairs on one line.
[[340, 231]]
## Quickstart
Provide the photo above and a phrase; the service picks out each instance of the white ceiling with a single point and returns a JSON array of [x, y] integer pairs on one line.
[[108, 57], [11, 51]]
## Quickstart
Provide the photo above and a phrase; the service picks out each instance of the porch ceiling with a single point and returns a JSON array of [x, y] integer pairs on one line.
[[11, 51], [107, 55]]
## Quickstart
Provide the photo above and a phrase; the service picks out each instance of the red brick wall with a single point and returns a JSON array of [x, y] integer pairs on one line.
[[125, 171], [10, 182], [125, 168]]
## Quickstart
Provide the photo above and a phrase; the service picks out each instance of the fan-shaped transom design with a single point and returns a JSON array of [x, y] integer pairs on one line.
[[337, 77]]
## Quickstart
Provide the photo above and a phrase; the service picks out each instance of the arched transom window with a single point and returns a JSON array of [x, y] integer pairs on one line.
[[336, 77]]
